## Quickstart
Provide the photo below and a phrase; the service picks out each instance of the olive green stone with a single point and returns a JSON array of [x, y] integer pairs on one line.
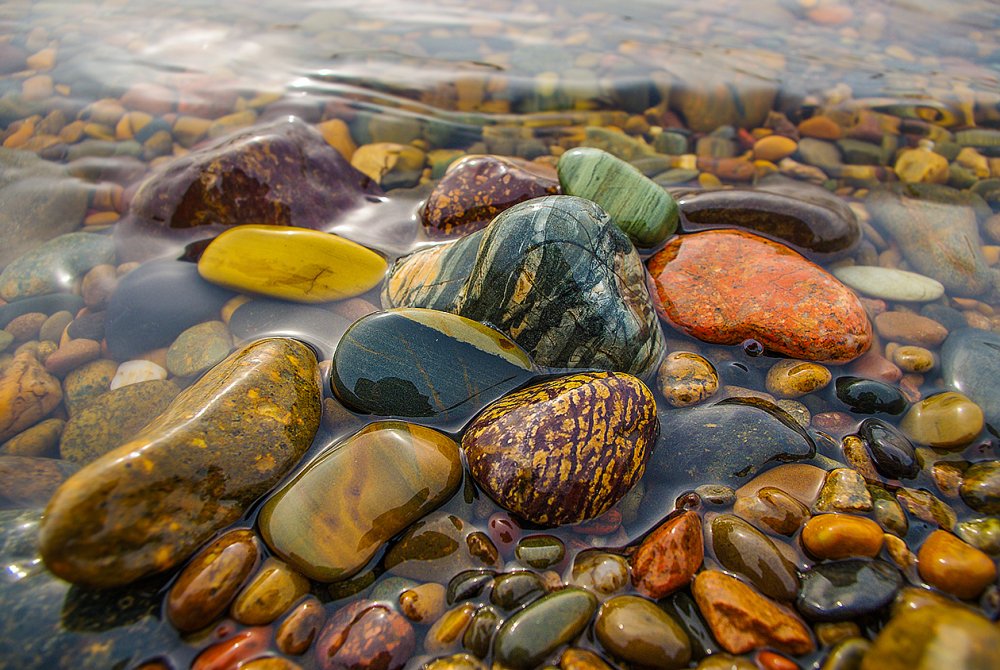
[[744, 550], [847, 654], [531, 635], [599, 571], [52, 266], [114, 417], [540, 551], [198, 348], [935, 637], [983, 534], [439, 546], [514, 589], [638, 632], [640, 207], [87, 382], [980, 487]]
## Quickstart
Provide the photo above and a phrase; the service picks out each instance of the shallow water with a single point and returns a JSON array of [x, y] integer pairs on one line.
[[519, 78]]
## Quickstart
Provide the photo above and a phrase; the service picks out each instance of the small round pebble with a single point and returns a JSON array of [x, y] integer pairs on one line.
[[980, 487], [424, 602], [135, 371], [72, 355], [911, 358], [685, 378], [199, 348], [946, 420], [946, 562], [833, 536], [54, 326], [890, 283], [793, 379]]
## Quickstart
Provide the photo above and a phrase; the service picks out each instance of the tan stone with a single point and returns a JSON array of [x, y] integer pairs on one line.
[[27, 394]]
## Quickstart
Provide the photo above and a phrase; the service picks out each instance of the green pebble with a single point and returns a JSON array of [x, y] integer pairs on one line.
[[49, 267], [199, 348]]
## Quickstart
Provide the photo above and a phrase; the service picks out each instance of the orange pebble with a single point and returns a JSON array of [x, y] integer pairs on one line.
[[833, 536], [774, 147], [821, 128], [946, 562]]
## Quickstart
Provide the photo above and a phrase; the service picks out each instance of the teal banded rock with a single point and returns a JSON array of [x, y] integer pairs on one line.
[[640, 207], [564, 450], [53, 266], [223, 442], [424, 363], [333, 517], [554, 274]]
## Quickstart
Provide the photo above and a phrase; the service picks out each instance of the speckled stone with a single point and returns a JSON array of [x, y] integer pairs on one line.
[[29, 481], [640, 207], [365, 635], [890, 283], [199, 348], [843, 491], [48, 267], [42, 439], [595, 431], [794, 379], [533, 274], [270, 593], [668, 558], [772, 295], [87, 382], [980, 488], [28, 393], [685, 378]]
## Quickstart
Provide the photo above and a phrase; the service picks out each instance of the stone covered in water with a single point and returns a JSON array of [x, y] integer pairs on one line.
[[946, 420], [439, 546], [638, 205], [282, 174], [290, 263], [365, 635], [424, 363], [555, 274], [669, 557], [332, 518], [222, 443], [846, 590], [890, 283], [970, 362], [810, 220], [54, 265], [638, 632], [935, 636], [724, 287], [477, 188], [745, 551], [27, 394], [528, 637], [565, 450]]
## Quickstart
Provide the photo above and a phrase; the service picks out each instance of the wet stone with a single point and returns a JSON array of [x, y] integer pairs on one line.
[[515, 589], [636, 631], [300, 627], [955, 567], [585, 471], [773, 295], [28, 393], [425, 363], [52, 266], [946, 420], [574, 658], [332, 518], [87, 382], [910, 328], [890, 283], [888, 512], [843, 491], [262, 317], [980, 488], [477, 188], [157, 517], [540, 551], [983, 534], [669, 557], [30, 481], [113, 418], [846, 590], [469, 584], [601, 572], [793, 379], [532, 274], [927, 507], [42, 439], [870, 396], [199, 348], [642, 209], [527, 638], [970, 365], [137, 371], [742, 549], [685, 378], [269, 594], [892, 453], [365, 636], [773, 510], [438, 546]]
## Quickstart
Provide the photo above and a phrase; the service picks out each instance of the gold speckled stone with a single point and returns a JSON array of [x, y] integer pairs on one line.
[[792, 379], [564, 450], [686, 378]]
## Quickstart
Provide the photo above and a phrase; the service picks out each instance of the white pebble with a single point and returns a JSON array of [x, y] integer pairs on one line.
[[889, 283], [133, 372]]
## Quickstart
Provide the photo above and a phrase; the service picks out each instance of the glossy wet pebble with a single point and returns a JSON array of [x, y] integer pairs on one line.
[[669, 557], [269, 594], [834, 536], [745, 551], [773, 510], [910, 328], [365, 635], [199, 348], [685, 378], [540, 551], [438, 546], [870, 396], [970, 365], [636, 631], [954, 566], [288, 263], [513, 590], [793, 379], [28, 393], [425, 363], [891, 452], [846, 590], [889, 283], [773, 295], [335, 514], [532, 273], [156, 517], [300, 626], [52, 266], [639, 206], [980, 488], [946, 420], [602, 572], [527, 638], [595, 431], [936, 636], [135, 372]]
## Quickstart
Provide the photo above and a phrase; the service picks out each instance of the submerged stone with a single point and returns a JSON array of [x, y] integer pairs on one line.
[[890, 283], [638, 632], [555, 274], [725, 287], [970, 364], [332, 518], [935, 636], [54, 265], [847, 590], [425, 363], [745, 551], [565, 450], [439, 546], [263, 317], [150, 503], [528, 637], [28, 393]]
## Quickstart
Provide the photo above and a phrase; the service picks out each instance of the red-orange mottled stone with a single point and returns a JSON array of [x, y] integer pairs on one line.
[[725, 286], [669, 557], [365, 635]]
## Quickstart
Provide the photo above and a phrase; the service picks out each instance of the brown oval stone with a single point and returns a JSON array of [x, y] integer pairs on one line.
[[948, 563], [272, 591], [72, 355], [365, 635], [235, 651], [793, 379], [669, 556], [772, 509], [832, 536], [298, 630], [910, 328], [685, 378]]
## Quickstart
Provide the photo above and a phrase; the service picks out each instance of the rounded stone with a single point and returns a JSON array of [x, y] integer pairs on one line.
[[269, 594], [847, 590], [910, 328], [890, 283], [42, 439], [983, 534], [911, 358], [513, 590], [773, 148], [540, 551], [599, 571], [199, 348], [970, 365], [423, 603], [337, 513], [638, 632], [742, 549], [891, 452], [365, 635], [438, 546], [870, 396], [595, 431], [52, 266], [685, 378], [980, 488], [532, 634], [793, 379], [300, 627], [834, 536], [955, 567], [772, 509], [946, 420], [135, 372], [669, 557]]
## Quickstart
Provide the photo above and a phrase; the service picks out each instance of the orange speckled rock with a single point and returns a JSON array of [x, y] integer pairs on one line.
[[724, 287], [477, 188], [668, 558], [741, 619]]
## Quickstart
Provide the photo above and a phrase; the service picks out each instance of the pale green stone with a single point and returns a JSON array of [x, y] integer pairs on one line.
[[890, 283]]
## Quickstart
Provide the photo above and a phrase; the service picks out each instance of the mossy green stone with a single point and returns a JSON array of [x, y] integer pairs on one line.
[[199, 348], [639, 206], [528, 637]]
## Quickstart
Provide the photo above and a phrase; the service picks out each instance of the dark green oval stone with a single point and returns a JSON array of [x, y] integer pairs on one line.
[[528, 637], [468, 584], [744, 550], [540, 551], [514, 589], [479, 635], [869, 396]]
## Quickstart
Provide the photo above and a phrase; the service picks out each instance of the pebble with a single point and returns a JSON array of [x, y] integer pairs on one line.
[[603, 573], [206, 586], [88, 326], [574, 658], [946, 420], [686, 378], [513, 590], [98, 285], [636, 631], [114, 418], [52, 266], [927, 507], [742, 620], [135, 372], [343, 507], [911, 358], [42, 439], [53, 327], [199, 348], [28, 394], [30, 481], [423, 603], [296, 632], [87, 382], [983, 534], [269, 594], [773, 148], [870, 396], [888, 512], [389, 164], [155, 518], [288, 263], [794, 379], [891, 452], [772, 295], [668, 558], [939, 636], [585, 470], [910, 328], [847, 590], [744, 551], [365, 635], [640, 207], [528, 637], [843, 491], [438, 546], [955, 567], [801, 481], [980, 487], [235, 651], [890, 283], [835, 536], [71, 355], [921, 165], [26, 326], [773, 510], [446, 631], [540, 551], [970, 366]]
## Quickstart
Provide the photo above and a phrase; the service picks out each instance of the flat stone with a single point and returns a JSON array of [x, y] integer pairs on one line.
[[971, 366], [640, 207], [889, 283], [53, 266], [772, 295], [136, 371], [288, 263], [936, 636], [533, 274], [332, 518], [847, 590], [910, 328], [71, 355], [199, 348]]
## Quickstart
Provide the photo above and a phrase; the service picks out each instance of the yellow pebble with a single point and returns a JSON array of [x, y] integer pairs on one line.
[[922, 165], [833, 536], [21, 135], [791, 379], [911, 358], [42, 60], [338, 135], [101, 219], [774, 147]]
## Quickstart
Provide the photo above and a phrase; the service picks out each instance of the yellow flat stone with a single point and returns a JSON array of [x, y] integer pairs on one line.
[[296, 264]]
